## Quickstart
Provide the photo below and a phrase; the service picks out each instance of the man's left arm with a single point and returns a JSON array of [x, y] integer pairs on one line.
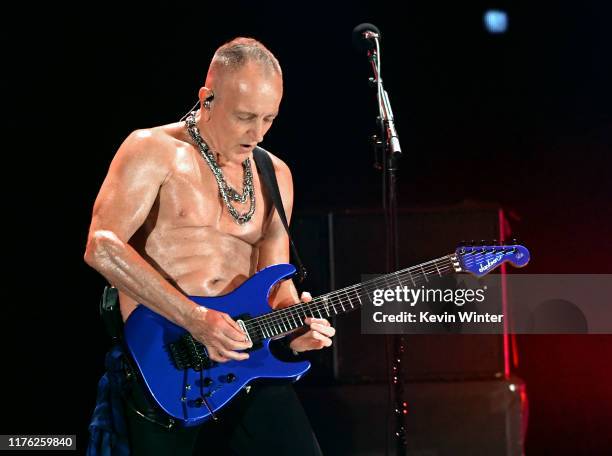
[[274, 249]]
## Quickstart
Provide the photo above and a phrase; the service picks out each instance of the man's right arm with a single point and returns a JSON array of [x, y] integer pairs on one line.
[[130, 189]]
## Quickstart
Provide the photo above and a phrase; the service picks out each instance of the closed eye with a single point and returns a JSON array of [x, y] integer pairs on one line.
[[248, 116]]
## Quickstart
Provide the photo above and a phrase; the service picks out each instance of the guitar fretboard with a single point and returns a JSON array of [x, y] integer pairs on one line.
[[284, 321]]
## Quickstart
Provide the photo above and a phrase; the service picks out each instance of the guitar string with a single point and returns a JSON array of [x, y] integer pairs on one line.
[[321, 305], [272, 320], [276, 316], [271, 326], [336, 294]]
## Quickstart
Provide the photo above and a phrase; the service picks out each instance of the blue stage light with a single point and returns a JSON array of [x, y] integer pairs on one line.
[[496, 21]]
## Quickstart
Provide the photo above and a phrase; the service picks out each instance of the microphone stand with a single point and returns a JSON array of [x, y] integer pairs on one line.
[[387, 147]]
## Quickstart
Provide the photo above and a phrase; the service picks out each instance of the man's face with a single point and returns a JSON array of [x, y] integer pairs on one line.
[[245, 104]]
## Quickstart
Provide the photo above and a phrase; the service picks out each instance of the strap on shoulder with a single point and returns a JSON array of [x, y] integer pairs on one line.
[[266, 170]]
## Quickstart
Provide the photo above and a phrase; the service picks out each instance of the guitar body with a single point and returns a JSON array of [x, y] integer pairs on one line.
[[178, 391]]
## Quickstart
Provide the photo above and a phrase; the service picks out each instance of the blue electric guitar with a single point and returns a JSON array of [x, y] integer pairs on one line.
[[190, 387]]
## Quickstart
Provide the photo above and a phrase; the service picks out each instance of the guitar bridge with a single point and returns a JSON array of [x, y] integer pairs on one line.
[[188, 353]]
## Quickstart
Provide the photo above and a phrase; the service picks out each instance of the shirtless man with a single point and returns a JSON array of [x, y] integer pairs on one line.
[[161, 231]]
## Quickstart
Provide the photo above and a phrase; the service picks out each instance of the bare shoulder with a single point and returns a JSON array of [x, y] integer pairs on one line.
[[147, 153], [280, 168], [145, 145]]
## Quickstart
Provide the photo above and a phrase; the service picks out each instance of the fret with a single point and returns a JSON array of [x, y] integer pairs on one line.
[[326, 305], [300, 317], [351, 299], [411, 278], [346, 293], [341, 305], [264, 330], [272, 329], [334, 307], [358, 299], [320, 314], [293, 318], [436, 265], [397, 278], [426, 279]]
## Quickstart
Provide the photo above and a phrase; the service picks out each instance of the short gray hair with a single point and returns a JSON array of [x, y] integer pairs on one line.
[[236, 53]]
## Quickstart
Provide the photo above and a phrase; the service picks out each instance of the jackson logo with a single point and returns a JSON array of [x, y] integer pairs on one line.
[[490, 263]]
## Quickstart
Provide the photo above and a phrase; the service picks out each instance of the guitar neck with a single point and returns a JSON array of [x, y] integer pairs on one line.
[[287, 320]]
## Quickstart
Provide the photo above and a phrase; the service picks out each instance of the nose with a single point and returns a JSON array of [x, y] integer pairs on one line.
[[257, 130]]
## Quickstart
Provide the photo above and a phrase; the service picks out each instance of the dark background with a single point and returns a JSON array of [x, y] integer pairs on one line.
[[522, 120]]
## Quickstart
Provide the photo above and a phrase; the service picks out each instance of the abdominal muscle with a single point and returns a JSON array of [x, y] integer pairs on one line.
[[199, 261]]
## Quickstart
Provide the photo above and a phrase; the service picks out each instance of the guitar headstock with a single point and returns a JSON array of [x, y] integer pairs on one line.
[[482, 259]]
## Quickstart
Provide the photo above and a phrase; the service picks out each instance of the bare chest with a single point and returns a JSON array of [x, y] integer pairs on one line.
[[190, 197]]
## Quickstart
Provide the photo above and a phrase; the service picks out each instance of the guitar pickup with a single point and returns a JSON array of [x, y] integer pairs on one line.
[[243, 327], [255, 337]]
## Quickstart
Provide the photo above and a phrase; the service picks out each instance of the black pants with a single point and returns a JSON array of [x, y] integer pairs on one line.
[[269, 420]]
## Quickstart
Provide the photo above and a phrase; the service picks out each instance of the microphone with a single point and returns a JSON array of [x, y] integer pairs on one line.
[[363, 36]]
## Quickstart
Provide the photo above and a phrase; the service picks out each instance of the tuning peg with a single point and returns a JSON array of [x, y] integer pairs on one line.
[[514, 244], [483, 245], [461, 247], [471, 247], [493, 245]]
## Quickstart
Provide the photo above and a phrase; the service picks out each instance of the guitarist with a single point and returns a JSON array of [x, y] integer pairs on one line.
[[182, 211]]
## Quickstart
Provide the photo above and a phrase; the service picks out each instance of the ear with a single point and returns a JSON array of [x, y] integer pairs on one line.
[[206, 96], [205, 93]]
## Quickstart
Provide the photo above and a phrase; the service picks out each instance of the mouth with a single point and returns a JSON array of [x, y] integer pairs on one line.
[[247, 147]]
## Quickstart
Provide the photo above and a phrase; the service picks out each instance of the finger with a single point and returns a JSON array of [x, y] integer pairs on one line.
[[305, 297], [232, 344], [233, 355], [215, 355], [325, 340], [231, 322], [321, 321], [326, 330], [233, 330]]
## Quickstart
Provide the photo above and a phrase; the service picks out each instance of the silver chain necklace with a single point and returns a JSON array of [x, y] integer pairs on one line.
[[226, 192]]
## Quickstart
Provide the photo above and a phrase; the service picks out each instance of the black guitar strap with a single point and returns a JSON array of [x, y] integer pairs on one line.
[[268, 176]]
